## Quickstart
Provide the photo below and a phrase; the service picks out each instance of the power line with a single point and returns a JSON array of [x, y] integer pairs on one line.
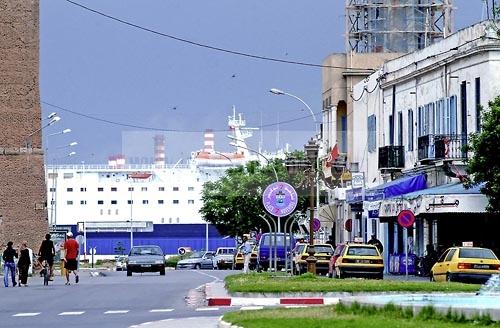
[[143, 127], [202, 45]]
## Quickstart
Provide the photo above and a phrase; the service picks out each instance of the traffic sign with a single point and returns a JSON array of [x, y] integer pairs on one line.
[[280, 199], [348, 225], [406, 218], [316, 224]]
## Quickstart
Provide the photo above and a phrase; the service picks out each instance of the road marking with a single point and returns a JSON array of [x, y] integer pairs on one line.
[[160, 310], [208, 275], [208, 309], [26, 314], [116, 312], [295, 306], [72, 313], [249, 308]]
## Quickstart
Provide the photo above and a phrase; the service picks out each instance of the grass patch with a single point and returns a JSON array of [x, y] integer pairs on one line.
[[267, 283], [352, 316]]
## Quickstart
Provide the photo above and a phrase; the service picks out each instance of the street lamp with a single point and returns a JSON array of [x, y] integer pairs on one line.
[[28, 140], [258, 153], [279, 92]]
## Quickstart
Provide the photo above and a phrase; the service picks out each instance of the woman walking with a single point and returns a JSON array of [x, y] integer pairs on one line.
[[9, 265], [23, 264]]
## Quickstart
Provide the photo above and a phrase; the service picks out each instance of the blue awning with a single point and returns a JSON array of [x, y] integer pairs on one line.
[[447, 189], [397, 187]]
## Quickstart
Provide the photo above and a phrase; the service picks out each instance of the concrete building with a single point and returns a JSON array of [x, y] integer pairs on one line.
[[22, 189], [414, 123]]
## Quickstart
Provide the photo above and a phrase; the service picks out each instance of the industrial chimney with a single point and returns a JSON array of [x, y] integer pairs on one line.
[[159, 149]]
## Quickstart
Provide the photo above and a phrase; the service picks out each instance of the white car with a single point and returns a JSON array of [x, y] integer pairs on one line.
[[121, 263], [224, 258]]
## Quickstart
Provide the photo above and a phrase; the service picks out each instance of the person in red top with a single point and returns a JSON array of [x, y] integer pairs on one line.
[[71, 248]]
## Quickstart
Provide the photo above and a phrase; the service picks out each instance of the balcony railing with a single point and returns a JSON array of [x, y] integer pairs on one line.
[[442, 146], [391, 157]]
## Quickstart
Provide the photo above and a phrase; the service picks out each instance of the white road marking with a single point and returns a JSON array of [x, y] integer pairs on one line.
[[116, 312], [295, 306], [160, 310], [208, 309], [208, 275], [72, 313], [249, 308], [26, 314]]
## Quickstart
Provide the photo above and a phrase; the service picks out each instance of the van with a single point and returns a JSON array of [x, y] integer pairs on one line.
[[264, 249]]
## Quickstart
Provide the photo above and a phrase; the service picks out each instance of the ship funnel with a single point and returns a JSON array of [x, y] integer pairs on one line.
[[159, 149], [209, 141]]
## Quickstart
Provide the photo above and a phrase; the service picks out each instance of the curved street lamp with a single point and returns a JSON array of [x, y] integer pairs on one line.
[[279, 92]]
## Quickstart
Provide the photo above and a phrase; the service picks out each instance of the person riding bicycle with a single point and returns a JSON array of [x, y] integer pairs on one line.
[[47, 253]]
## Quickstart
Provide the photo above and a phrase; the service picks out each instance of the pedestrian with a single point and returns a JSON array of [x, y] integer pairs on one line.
[[247, 253], [9, 265], [70, 258], [374, 241], [23, 264], [47, 253]]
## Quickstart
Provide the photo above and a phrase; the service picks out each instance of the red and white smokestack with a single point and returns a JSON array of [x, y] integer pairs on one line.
[[209, 142], [159, 149]]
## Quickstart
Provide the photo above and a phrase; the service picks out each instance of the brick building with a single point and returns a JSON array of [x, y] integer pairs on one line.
[[22, 182]]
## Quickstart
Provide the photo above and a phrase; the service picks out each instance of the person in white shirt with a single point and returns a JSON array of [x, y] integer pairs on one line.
[[247, 253]]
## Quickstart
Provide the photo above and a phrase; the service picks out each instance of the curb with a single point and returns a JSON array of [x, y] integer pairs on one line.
[[224, 324], [259, 301]]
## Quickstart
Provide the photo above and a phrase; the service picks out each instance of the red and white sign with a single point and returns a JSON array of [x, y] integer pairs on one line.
[[406, 218]]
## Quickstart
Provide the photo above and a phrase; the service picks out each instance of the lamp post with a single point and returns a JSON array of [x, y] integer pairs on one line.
[[311, 150]]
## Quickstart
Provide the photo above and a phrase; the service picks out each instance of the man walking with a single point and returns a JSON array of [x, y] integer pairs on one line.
[[9, 265], [70, 258], [374, 241], [247, 252]]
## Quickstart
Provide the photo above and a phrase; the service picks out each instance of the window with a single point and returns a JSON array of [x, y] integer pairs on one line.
[[144, 188], [114, 202], [191, 201], [83, 189], [101, 212], [175, 188], [69, 189], [69, 202], [100, 202], [130, 202], [190, 188], [478, 103], [177, 220], [145, 201], [109, 212], [130, 188], [452, 115], [52, 202], [52, 189], [400, 129], [175, 201], [410, 129], [83, 202], [116, 212], [161, 188], [100, 189], [450, 254], [114, 189], [169, 220], [372, 133], [391, 130], [463, 107], [160, 201]]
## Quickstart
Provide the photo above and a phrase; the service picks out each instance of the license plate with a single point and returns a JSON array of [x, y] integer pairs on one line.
[[481, 266], [146, 265], [363, 261]]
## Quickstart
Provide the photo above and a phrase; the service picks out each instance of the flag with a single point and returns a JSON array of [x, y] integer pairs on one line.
[[332, 157]]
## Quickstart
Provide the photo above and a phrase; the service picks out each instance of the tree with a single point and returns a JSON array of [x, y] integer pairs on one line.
[[484, 166], [234, 203]]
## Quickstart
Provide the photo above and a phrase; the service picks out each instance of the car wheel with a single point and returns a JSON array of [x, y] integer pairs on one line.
[[448, 277], [129, 273], [197, 266], [162, 272]]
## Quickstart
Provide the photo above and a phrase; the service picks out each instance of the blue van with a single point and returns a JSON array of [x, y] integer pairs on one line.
[[264, 250]]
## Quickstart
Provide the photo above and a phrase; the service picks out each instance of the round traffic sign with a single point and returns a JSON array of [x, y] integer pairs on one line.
[[406, 218], [280, 199], [348, 225], [316, 224]]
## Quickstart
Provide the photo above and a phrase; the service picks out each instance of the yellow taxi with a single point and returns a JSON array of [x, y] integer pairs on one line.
[[468, 264], [322, 252], [239, 258], [359, 260]]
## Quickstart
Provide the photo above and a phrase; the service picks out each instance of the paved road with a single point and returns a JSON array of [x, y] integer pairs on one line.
[[114, 300]]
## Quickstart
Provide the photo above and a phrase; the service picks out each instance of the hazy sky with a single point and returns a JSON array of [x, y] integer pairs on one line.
[[97, 67]]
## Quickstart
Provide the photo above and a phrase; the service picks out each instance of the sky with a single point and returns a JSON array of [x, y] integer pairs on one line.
[[105, 79]]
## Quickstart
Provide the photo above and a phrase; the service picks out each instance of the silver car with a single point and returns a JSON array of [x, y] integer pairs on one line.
[[148, 258], [197, 260]]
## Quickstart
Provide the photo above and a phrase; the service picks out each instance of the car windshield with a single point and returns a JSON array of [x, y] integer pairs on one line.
[[362, 251], [280, 240], [226, 251], [322, 249], [477, 253], [146, 251]]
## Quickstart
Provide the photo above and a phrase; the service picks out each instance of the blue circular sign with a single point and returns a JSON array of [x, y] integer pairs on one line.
[[316, 225], [280, 199]]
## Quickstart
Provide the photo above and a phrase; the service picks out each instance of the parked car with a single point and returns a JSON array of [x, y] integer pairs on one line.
[[147, 258], [239, 258], [264, 249], [322, 253], [197, 260], [331, 266], [359, 260], [468, 264], [224, 258], [121, 263]]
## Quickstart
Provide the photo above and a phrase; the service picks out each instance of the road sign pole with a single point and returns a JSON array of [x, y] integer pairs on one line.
[[406, 252]]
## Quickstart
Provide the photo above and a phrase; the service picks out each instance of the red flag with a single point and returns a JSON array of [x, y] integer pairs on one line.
[[334, 154]]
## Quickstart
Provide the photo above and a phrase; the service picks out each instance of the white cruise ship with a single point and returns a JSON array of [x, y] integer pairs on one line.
[[159, 202]]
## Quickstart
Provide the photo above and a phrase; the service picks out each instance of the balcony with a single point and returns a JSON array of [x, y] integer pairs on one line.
[[391, 158], [442, 146]]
